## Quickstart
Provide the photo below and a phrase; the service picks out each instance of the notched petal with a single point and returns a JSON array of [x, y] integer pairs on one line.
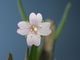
[[32, 17], [22, 32], [39, 17], [23, 24], [33, 39]]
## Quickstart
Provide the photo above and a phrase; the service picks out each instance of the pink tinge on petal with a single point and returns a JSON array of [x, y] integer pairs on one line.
[[23, 25], [39, 17], [33, 39], [29, 41], [44, 32], [45, 24], [35, 19], [32, 18], [44, 29], [37, 40], [22, 32]]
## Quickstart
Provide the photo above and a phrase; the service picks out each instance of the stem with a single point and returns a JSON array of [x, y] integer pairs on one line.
[[33, 53], [22, 11]]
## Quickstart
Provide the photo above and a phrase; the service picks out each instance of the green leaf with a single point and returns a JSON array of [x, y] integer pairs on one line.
[[22, 11], [33, 53], [10, 57], [63, 21]]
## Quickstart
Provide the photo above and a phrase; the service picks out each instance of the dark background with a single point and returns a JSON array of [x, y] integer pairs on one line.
[[68, 45]]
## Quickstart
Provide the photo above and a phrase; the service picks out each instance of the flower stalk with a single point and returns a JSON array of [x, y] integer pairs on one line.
[[33, 53]]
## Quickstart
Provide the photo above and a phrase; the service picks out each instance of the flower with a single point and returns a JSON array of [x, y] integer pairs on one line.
[[34, 29]]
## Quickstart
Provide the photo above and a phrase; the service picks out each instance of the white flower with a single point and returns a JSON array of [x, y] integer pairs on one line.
[[33, 29]]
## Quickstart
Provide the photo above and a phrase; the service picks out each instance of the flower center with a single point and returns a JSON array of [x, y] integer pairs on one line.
[[34, 29]]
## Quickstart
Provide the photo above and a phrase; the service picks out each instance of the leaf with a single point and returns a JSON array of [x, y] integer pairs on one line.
[[22, 11], [10, 57], [63, 21]]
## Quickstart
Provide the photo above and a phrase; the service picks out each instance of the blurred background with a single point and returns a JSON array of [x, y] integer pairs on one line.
[[67, 46]]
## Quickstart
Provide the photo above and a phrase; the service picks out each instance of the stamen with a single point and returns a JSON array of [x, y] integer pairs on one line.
[[33, 29]]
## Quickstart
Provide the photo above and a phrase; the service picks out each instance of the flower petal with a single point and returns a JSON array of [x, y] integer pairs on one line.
[[44, 29], [33, 39], [32, 18], [22, 32], [35, 19], [23, 25], [39, 17]]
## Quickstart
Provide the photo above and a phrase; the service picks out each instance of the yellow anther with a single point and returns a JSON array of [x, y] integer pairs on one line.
[[34, 28]]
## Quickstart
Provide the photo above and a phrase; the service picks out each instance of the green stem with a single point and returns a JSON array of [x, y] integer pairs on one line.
[[33, 53], [22, 11], [63, 21]]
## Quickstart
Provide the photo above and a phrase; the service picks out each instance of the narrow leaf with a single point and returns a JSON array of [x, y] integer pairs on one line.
[[22, 11], [63, 21]]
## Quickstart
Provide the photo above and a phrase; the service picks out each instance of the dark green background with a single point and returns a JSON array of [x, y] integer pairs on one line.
[[68, 45]]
